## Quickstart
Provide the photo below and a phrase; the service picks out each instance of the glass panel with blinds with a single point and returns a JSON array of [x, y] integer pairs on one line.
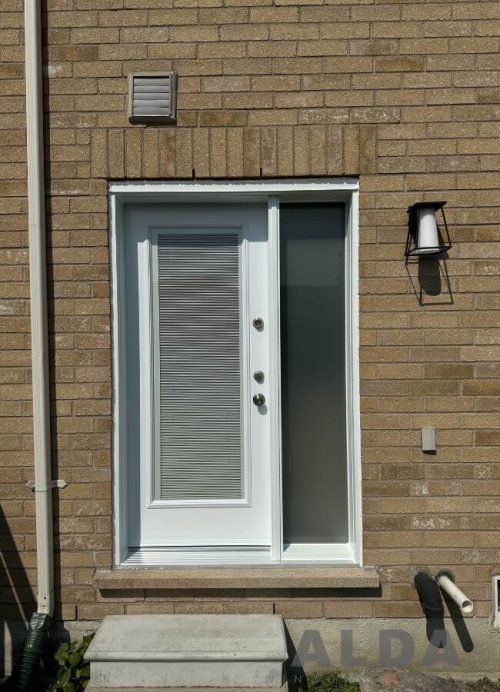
[[199, 450]]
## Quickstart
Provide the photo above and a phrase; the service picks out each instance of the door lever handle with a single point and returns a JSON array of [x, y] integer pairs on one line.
[[259, 399]]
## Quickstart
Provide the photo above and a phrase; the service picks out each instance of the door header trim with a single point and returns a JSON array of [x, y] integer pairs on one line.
[[229, 190]]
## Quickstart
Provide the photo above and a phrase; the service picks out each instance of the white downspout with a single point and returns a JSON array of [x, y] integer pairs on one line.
[[38, 302]]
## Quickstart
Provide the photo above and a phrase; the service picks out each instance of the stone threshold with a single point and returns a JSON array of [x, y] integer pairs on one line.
[[284, 688], [286, 577]]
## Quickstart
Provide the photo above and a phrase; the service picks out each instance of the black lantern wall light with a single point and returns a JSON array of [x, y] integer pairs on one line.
[[426, 238]]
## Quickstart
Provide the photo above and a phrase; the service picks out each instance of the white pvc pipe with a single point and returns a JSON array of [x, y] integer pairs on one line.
[[446, 584], [38, 305]]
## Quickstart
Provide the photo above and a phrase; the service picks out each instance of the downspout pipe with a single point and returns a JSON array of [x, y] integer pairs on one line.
[[38, 301], [39, 344]]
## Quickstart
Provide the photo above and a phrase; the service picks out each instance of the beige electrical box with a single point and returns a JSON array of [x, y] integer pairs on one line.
[[428, 439]]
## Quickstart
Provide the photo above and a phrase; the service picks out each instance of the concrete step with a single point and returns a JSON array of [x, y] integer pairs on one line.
[[218, 651], [284, 688]]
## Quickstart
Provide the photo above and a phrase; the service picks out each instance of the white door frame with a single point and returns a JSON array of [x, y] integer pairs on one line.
[[339, 189]]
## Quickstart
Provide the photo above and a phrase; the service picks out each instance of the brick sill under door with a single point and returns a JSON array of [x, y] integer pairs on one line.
[[286, 577]]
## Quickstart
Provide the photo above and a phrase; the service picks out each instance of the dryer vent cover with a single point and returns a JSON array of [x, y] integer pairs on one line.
[[152, 97]]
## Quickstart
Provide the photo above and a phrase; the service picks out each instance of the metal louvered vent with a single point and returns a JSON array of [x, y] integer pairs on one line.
[[152, 97]]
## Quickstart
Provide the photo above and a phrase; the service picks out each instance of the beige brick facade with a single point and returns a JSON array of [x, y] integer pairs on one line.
[[402, 94]]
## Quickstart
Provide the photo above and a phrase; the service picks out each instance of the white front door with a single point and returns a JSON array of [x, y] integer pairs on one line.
[[198, 356]]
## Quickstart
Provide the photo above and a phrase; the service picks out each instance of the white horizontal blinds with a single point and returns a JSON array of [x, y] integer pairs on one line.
[[151, 95], [199, 349]]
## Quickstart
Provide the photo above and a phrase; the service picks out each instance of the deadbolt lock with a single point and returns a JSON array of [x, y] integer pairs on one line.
[[259, 399], [258, 323]]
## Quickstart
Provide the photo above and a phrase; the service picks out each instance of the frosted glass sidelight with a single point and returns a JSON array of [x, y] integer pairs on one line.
[[313, 373]]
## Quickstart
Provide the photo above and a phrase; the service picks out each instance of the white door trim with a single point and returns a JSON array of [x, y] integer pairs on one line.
[[156, 522], [340, 189], [274, 376]]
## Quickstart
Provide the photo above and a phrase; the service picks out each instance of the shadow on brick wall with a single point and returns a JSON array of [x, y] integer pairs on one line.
[[17, 601], [430, 280]]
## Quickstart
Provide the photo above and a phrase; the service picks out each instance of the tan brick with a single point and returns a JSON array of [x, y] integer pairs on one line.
[[168, 17], [487, 438], [268, 151], [375, 115], [317, 148], [234, 164], [217, 84], [226, 50], [276, 83], [282, 32], [401, 64], [351, 149], [272, 49], [274, 14], [201, 152], [285, 151], [94, 35], [166, 144], [72, 19], [326, 82], [324, 14], [367, 148], [223, 16], [297, 65], [299, 608], [133, 154], [322, 47], [239, 32], [73, 53], [373, 47], [403, 93], [251, 152], [97, 611], [11, 71], [217, 152], [124, 18], [248, 606], [199, 607], [147, 608], [247, 101]]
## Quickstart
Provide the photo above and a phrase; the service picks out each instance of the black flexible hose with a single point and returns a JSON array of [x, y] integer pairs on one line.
[[429, 595], [32, 650]]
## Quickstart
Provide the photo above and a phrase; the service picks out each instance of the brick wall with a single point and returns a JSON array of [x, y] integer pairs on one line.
[[402, 94]]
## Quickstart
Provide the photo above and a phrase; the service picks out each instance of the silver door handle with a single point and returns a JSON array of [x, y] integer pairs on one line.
[[259, 399]]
